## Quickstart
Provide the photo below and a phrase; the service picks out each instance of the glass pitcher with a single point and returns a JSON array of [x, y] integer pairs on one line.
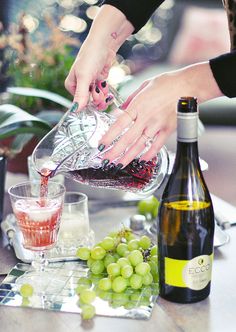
[[71, 148]]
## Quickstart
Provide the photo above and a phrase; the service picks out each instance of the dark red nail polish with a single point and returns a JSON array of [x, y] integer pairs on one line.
[[97, 89], [109, 98], [103, 84]]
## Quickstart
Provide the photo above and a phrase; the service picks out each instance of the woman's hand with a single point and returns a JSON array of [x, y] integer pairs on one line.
[[89, 67], [150, 112], [108, 32]]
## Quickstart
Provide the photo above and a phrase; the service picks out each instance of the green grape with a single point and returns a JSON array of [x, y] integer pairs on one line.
[[133, 244], [108, 259], [116, 256], [126, 271], [130, 237], [142, 268], [147, 279], [98, 253], [135, 257], [104, 295], [149, 206], [121, 249], [83, 283], [113, 269], [95, 278], [104, 284], [154, 259], [97, 267], [83, 253], [119, 284], [123, 261], [119, 299], [153, 250], [108, 243], [136, 281], [90, 261], [135, 297], [26, 290], [154, 271], [87, 311], [145, 242], [147, 291], [129, 305], [87, 296], [144, 301], [113, 234]]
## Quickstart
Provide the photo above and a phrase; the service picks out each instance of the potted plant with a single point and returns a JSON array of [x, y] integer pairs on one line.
[[36, 62]]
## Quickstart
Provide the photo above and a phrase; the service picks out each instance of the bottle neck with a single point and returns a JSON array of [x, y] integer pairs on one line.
[[187, 137], [187, 127]]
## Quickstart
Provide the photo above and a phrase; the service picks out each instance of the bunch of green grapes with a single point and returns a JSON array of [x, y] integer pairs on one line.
[[122, 268]]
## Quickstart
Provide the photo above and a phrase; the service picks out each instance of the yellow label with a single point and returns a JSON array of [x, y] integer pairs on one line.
[[188, 205], [194, 274]]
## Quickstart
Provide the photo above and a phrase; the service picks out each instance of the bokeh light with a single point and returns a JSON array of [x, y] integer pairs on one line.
[[92, 11], [31, 23], [72, 23]]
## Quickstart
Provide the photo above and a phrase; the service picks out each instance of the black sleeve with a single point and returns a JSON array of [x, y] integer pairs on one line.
[[137, 12], [224, 71]]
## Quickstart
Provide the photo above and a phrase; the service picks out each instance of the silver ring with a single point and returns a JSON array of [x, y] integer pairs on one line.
[[148, 140]]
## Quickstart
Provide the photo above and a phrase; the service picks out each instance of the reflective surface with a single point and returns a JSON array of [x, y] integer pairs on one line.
[[60, 295]]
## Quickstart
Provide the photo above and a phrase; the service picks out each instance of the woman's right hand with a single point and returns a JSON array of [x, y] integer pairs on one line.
[[91, 67], [92, 64]]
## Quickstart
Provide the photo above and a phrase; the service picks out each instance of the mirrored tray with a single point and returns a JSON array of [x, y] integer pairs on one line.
[[60, 295]]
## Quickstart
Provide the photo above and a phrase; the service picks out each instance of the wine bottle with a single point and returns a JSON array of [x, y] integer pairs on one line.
[[186, 218]]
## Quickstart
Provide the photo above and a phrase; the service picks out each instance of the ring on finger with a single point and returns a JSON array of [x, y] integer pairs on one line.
[[148, 140]]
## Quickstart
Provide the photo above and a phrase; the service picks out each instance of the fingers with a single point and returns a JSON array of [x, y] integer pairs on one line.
[[82, 88], [158, 143], [141, 143], [78, 86], [100, 95], [124, 142], [121, 124]]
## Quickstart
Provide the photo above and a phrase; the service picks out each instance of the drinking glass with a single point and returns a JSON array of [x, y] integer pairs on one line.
[[74, 229], [38, 219]]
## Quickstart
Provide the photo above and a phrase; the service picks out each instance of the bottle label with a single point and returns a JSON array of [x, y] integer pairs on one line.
[[194, 274]]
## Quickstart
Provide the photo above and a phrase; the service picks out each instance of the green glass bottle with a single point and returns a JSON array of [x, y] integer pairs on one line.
[[186, 218]]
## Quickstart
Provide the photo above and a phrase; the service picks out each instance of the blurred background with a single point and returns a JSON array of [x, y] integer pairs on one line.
[[39, 41]]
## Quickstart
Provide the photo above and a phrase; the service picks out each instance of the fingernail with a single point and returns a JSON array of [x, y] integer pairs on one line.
[[109, 98], [97, 89], [74, 107], [90, 88], [103, 84], [105, 162], [101, 147], [119, 166]]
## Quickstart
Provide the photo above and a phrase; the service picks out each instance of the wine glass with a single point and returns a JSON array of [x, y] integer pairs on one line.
[[38, 219]]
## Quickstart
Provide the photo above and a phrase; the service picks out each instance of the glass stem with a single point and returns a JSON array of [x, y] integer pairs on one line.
[[40, 261]]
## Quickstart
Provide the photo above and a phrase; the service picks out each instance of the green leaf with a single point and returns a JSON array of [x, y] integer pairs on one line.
[[14, 120], [20, 141]]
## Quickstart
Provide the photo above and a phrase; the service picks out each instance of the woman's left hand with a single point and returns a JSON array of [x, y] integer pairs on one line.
[[149, 115], [150, 112]]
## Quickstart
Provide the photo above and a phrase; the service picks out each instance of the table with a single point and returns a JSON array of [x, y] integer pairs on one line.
[[217, 313]]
